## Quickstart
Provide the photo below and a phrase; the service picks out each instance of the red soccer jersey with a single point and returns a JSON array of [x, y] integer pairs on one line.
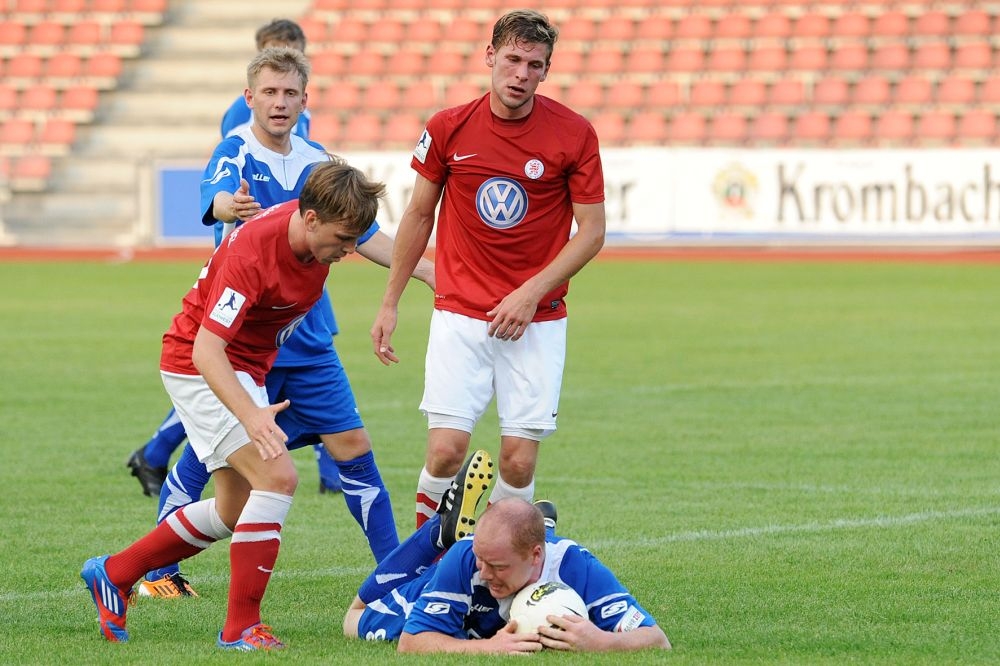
[[253, 292], [509, 189]]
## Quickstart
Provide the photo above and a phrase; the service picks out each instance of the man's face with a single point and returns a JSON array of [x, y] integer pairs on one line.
[[277, 100], [501, 568], [518, 68], [329, 242]]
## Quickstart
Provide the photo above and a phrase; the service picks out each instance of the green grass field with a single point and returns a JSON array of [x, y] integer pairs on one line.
[[790, 462]]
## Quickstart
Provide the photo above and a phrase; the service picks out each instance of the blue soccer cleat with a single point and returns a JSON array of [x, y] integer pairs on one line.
[[110, 601]]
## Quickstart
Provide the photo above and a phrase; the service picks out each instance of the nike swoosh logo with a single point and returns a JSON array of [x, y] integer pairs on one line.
[[459, 158], [283, 307], [385, 578]]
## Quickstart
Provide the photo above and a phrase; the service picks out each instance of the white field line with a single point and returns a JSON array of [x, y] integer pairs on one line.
[[879, 522]]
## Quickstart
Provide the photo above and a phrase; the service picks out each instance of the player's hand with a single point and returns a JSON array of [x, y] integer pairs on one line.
[[506, 641], [572, 633], [265, 433], [510, 319], [381, 332], [244, 205]]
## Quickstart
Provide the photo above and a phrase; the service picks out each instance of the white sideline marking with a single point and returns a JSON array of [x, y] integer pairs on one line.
[[838, 524], [698, 535]]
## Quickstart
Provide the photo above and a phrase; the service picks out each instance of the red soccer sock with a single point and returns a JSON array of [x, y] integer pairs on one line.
[[252, 554]]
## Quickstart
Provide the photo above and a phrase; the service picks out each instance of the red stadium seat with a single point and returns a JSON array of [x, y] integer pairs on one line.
[[974, 55], [108, 6], [852, 56], [25, 66], [873, 90], [811, 57], [606, 60], [30, 172], [402, 130], [891, 56], [616, 29], [79, 103], [977, 125], [772, 26], [420, 96], [650, 60], [663, 94], [325, 129], [989, 90], [315, 29], [46, 36], [386, 30], [362, 130], [956, 90], [708, 92], [727, 59], [831, 90], [466, 30], [892, 24], [577, 29], [625, 94], [813, 26], [8, 100], [734, 26], [769, 127], [655, 28], [381, 96], [936, 127], [748, 92], [787, 92], [57, 136], [343, 96], [647, 127], [972, 23], [39, 99], [610, 127], [16, 135], [932, 55], [65, 65], [348, 31], [425, 30], [462, 92], [729, 128], [932, 23], [407, 62], [126, 37], [688, 127], [851, 24], [768, 58], [913, 90], [13, 33], [853, 126], [585, 95], [812, 127], [366, 64], [685, 59], [104, 68], [694, 27], [895, 126], [328, 64]]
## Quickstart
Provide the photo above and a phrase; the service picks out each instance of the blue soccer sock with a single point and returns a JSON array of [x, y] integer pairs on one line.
[[184, 485], [165, 441], [368, 501], [329, 474], [410, 559]]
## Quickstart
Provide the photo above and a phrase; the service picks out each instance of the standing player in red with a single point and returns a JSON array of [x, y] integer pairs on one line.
[[249, 298], [515, 170]]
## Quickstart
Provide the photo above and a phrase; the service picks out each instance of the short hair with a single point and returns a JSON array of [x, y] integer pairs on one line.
[[281, 30], [282, 59], [522, 521], [524, 25], [341, 193]]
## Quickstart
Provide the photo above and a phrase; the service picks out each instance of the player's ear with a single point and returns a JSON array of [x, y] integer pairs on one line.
[[491, 55], [248, 97]]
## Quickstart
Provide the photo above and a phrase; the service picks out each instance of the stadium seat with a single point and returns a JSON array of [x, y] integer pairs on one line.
[[564, 62], [315, 29], [891, 57], [956, 90], [989, 91], [811, 26], [733, 26], [610, 127], [451, 62], [891, 24], [39, 100], [787, 92], [979, 125], [727, 59], [108, 6], [768, 58], [148, 11], [381, 96], [585, 95], [729, 128], [708, 93], [647, 127], [850, 57], [103, 69], [895, 126], [407, 63], [57, 136], [325, 129], [345, 95], [872, 90], [387, 31], [348, 31], [46, 37], [126, 38], [16, 135], [663, 94], [577, 28], [812, 127], [466, 30], [932, 55], [616, 28], [85, 36], [688, 127], [30, 172], [13, 34], [748, 92], [831, 91], [29, 7], [8, 100], [684, 59], [914, 90], [972, 23], [655, 28], [366, 64], [426, 30], [650, 60], [606, 60], [693, 27], [79, 103], [851, 24], [63, 66], [974, 55], [420, 96], [772, 26], [810, 57], [328, 64], [932, 23], [854, 126], [627, 94], [936, 127], [362, 131], [402, 130], [25, 66], [462, 92], [769, 127]]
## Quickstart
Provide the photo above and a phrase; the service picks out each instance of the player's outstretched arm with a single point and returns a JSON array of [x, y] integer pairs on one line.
[[240, 205], [579, 634], [504, 642]]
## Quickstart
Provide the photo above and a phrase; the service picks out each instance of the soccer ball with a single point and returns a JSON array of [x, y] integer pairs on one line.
[[531, 605]]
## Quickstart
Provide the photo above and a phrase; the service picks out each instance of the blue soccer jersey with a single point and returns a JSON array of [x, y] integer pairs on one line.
[[275, 178], [451, 599], [239, 117]]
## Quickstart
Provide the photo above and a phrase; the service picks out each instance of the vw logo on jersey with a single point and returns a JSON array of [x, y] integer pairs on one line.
[[501, 202]]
